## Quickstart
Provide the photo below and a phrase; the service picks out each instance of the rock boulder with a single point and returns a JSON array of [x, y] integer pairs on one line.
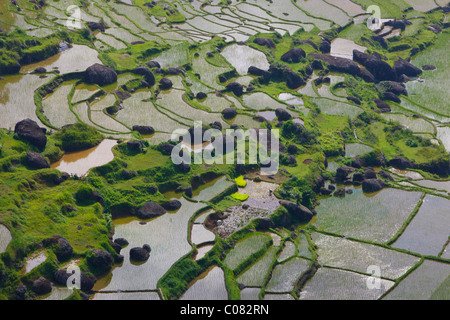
[[100, 74], [30, 131]]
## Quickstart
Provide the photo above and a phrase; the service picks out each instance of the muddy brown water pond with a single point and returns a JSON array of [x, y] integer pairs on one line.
[[79, 163]]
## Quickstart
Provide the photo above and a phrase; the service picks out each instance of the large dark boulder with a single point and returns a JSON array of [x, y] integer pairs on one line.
[[259, 72], [299, 211], [361, 57], [96, 26], [187, 190], [404, 67], [317, 65], [369, 173], [391, 96], [380, 69], [136, 146], [383, 106], [153, 64], [358, 177], [148, 75], [40, 70], [293, 79], [41, 286], [61, 247], [100, 259], [343, 172], [236, 88], [401, 163], [144, 129], [100, 74], [338, 64], [166, 148], [201, 95], [264, 223], [139, 254], [87, 281], [36, 160], [385, 175], [172, 205], [150, 210], [229, 113], [121, 242], [396, 24], [294, 55], [282, 114], [394, 87], [30, 131], [165, 84], [354, 99], [264, 42], [20, 292], [366, 75], [428, 67], [175, 71], [325, 46], [372, 185]]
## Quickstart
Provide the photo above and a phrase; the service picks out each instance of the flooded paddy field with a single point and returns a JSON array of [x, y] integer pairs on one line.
[[92, 108]]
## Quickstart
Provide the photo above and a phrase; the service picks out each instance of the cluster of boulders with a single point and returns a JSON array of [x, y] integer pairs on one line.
[[350, 176], [367, 177]]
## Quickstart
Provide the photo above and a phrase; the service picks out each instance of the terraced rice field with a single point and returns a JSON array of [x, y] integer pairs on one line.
[[216, 246]]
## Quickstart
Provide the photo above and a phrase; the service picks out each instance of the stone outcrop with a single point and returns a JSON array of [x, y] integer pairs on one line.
[[372, 185], [229, 113], [343, 172], [380, 69], [404, 67], [144, 129], [165, 84], [139, 254], [338, 64], [36, 160], [299, 211], [236, 88], [150, 210], [264, 42], [401, 163], [100, 259], [30, 131], [294, 55], [100, 74], [148, 75], [172, 205], [282, 114], [61, 247]]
